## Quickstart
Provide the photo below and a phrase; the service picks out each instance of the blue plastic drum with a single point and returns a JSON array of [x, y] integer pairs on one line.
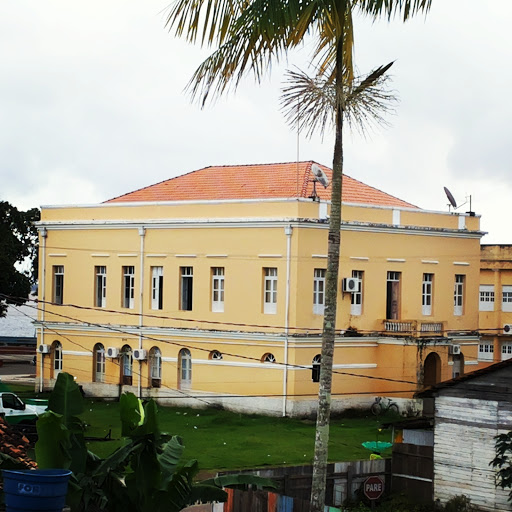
[[35, 489]]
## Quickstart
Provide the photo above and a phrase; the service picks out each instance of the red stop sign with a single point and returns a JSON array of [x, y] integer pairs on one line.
[[373, 487]]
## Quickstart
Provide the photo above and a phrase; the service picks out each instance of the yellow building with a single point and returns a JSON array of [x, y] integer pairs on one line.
[[495, 304], [209, 288]]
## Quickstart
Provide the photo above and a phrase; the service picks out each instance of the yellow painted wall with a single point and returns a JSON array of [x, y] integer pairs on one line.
[[244, 248]]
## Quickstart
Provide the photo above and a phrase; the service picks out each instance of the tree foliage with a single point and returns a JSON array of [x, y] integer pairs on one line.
[[503, 462], [309, 103], [251, 35], [18, 254], [146, 474]]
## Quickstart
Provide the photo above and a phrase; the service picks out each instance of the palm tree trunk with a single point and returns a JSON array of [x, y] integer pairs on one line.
[[331, 299]]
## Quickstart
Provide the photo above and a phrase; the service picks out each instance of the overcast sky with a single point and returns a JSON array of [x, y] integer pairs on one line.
[[92, 106]]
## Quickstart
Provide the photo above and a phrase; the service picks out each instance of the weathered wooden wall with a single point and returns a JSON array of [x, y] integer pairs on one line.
[[412, 471], [464, 446]]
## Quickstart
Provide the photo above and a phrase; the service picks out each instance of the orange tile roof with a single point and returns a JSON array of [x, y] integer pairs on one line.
[[260, 181]]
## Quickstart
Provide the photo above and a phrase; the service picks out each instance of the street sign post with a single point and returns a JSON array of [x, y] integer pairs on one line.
[[373, 487]]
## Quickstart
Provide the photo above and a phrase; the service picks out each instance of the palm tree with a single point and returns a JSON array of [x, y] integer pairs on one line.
[[250, 35]]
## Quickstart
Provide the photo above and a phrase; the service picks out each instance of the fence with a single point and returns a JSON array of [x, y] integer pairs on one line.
[[344, 481], [413, 471]]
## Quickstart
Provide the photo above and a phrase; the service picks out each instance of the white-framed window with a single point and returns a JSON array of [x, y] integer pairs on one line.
[[99, 363], [126, 365], [356, 299], [270, 290], [187, 282], [506, 350], [319, 291], [486, 297], [184, 368], [218, 289], [157, 287], [129, 287], [486, 351], [155, 367], [393, 298], [215, 355], [57, 358], [58, 284], [268, 358], [427, 294], [100, 295], [458, 295], [506, 298]]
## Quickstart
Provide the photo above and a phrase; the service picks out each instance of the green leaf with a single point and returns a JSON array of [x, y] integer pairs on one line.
[[240, 481], [52, 447], [66, 398], [117, 460], [7, 462], [132, 413], [169, 459], [206, 494]]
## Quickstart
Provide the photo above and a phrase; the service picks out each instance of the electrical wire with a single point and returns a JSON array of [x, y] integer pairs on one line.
[[190, 347]]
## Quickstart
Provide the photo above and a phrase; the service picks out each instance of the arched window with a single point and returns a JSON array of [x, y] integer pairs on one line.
[[155, 367], [56, 358], [99, 363], [268, 358], [315, 371], [214, 354], [431, 370], [126, 365], [184, 369]]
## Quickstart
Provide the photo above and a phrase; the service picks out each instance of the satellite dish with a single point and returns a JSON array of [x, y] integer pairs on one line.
[[320, 175], [450, 197]]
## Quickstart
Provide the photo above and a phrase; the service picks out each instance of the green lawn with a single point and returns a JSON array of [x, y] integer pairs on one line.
[[225, 440]]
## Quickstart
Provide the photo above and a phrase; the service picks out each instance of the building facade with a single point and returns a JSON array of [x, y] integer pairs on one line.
[[209, 288], [495, 303], [469, 412]]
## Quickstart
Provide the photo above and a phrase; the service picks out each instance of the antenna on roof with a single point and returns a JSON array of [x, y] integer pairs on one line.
[[450, 197], [454, 204], [320, 177]]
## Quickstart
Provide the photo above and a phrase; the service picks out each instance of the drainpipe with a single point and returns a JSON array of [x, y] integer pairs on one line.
[[288, 233], [142, 233], [44, 234]]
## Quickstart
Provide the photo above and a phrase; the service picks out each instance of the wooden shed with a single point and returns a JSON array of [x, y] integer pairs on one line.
[[469, 412]]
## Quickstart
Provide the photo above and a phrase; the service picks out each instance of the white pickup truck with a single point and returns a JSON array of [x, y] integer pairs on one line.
[[15, 410]]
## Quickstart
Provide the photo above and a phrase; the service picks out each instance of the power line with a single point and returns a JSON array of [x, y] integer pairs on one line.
[[190, 347], [306, 330]]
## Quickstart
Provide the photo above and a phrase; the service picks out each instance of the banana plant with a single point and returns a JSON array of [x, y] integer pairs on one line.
[[146, 474]]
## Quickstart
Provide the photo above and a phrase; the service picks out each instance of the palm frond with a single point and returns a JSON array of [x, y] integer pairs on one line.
[[207, 20], [309, 104], [391, 8], [251, 35]]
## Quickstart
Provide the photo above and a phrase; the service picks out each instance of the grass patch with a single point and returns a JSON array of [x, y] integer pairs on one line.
[[225, 440]]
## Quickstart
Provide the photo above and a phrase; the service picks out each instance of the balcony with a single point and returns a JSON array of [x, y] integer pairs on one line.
[[413, 327]]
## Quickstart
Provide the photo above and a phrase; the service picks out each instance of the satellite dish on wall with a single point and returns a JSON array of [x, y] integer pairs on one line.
[[319, 175], [450, 198]]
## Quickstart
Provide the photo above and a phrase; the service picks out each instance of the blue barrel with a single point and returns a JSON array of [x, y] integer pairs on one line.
[[35, 489]]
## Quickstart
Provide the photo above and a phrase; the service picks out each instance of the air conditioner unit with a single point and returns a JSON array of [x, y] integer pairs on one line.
[[139, 354], [112, 352], [454, 350], [507, 329], [43, 349], [350, 284]]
